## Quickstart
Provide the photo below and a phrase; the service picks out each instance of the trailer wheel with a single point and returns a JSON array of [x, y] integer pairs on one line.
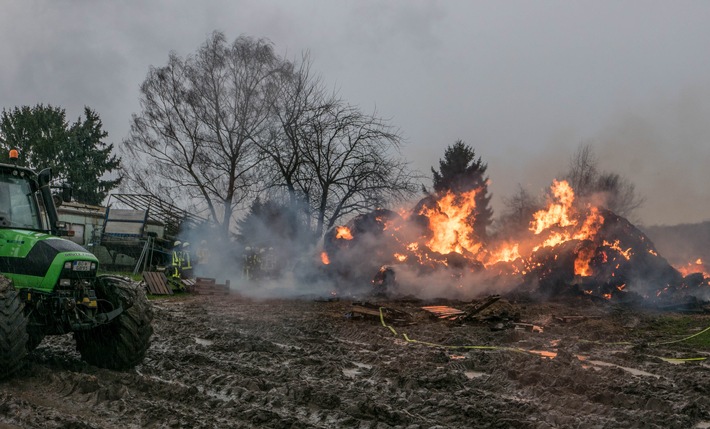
[[13, 328], [122, 343]]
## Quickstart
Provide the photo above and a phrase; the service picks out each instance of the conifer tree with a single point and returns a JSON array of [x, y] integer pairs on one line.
[[460, 172], [76, 153]]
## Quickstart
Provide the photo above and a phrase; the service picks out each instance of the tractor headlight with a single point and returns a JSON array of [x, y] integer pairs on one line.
[[64, 282]]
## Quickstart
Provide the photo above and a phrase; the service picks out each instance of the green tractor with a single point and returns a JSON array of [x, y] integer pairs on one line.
[[49, 285]]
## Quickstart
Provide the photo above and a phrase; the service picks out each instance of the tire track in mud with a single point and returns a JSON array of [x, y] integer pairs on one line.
[[227, 362]]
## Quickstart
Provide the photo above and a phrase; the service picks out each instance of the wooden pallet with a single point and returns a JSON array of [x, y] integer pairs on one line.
[[207, 286], [157, 283]]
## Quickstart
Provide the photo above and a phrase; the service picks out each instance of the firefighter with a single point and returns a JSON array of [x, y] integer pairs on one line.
[[173, 272], [252, 263], [186, 260], [177, 256]]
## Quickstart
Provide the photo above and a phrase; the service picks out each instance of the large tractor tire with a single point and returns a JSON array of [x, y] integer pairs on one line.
[[122, 343], [13, 329], [35, 337]]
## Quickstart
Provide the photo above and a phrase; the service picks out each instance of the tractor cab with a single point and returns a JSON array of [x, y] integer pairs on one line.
[[19, 206], [26, 200]]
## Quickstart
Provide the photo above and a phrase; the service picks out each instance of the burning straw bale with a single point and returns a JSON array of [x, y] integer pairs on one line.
[[568, 249], [618, 260]]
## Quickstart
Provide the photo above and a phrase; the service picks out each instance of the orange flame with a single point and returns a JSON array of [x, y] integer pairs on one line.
[[562, 216], [558, 212], [451, 224], [505, 254], [324, 258], [616, 246], [343, 232], [591, 225], [581, 263], [693, 268]]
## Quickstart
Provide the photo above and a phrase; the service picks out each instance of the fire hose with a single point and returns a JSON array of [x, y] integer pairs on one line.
[[519, 350], [409, 340]]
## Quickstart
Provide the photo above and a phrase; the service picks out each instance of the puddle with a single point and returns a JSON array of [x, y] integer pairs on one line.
[[203, 342], [474, 374], [633, 371], [354, 372]]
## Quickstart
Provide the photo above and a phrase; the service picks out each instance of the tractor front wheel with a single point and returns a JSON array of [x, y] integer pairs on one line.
[[13, 328], [122, 343]]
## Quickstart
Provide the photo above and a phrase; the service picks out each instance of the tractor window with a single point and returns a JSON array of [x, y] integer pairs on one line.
[[18, 206]]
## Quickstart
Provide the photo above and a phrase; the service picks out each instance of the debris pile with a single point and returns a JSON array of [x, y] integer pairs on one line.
[[569, 248]]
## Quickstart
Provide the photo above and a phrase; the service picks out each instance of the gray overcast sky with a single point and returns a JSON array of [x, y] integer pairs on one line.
[[524, 83]]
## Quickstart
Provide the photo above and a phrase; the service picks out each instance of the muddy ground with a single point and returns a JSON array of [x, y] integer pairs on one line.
[[230, 362]]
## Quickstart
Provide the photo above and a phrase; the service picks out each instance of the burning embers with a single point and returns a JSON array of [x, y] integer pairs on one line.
[[567, 245]]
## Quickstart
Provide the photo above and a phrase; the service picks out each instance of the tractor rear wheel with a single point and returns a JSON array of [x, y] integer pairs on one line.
[[13, 328], [122, 343], [35, 337]]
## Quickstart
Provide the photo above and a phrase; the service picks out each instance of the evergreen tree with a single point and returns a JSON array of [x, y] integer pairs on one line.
[[88, 159], [459, 172], [37, 133], [268, 224], [76, 153]]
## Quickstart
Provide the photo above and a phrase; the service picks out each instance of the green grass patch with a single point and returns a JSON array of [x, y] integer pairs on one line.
[[688, 330], [136, 277], [176, 296]]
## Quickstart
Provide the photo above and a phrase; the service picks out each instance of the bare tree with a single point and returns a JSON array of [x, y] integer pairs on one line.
[[619, 194], [331, 158], [582, 173], [200, 118], [300, 93], [610, 190], [518, 212], [351, 162], [234, 119]]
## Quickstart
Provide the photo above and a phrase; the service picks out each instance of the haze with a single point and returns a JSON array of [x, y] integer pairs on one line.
[[524, 83]]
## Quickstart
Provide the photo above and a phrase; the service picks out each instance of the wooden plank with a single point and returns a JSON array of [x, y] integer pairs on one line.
[[205, 281], [366, 311], [373, 311], [163, 284], [444, 312], [157, 283], [568, 319]]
